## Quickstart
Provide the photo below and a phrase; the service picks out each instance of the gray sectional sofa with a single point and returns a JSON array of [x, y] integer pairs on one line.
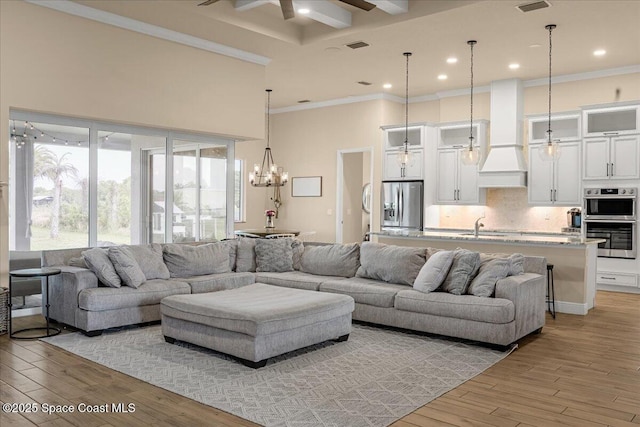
[[382, 280]]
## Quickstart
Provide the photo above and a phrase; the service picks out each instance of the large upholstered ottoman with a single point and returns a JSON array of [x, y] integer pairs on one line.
[[258, 321]]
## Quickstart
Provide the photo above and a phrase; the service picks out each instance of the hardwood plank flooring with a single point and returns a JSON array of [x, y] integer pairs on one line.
[[581, 371]]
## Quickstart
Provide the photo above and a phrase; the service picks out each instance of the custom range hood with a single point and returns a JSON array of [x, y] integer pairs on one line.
[[505, 165]]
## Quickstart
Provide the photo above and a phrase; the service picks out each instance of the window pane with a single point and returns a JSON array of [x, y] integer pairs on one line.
[[50, 207], [238, 199], [156, 196], [213, 192]]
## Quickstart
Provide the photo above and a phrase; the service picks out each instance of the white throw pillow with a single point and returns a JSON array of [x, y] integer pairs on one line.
[[434, 271]]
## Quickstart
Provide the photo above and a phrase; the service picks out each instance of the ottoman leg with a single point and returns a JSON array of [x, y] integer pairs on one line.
[[253, 365], [342, 338], [169, 339]]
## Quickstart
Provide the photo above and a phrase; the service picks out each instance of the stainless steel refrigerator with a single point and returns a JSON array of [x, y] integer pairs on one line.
[[402, 204]]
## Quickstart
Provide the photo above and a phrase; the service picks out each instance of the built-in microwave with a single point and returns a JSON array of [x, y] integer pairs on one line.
[[617, 204]]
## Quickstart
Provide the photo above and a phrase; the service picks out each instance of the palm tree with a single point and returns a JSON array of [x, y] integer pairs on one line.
[[48, 165]]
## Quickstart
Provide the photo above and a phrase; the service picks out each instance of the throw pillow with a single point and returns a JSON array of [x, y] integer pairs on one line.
[[232, 244], [274, 255], [98, 261], [126, 266], [434, 271], [298, 249], [389, 263], [78, 262], [189, 261], [516, 261], [150, 261], [331, 260], [484, 284], [246, 255], [463, 269]]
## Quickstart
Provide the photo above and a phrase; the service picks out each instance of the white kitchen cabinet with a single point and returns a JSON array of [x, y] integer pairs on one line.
[[457, 183], [557, 182], [394, 137], [564, 127], [414, 170], [610, 121], [456, 134], [612, 157]]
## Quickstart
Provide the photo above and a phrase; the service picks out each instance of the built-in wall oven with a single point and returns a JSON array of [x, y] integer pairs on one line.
[[610, 214]]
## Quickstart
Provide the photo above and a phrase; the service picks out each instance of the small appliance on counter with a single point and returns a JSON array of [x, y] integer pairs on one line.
[[574, 218]]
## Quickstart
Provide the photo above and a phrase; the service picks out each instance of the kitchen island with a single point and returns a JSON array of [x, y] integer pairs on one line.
[[573, 256]]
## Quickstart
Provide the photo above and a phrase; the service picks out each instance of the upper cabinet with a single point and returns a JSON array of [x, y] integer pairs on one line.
[[611, 143], [394, 137], [610, 121], [412, 171], [564, 127], [457, 135]]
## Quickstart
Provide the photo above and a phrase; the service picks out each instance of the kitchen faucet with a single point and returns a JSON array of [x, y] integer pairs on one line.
[[476, 227]]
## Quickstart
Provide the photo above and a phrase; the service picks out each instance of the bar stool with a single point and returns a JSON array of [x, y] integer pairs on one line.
[[551, 293]]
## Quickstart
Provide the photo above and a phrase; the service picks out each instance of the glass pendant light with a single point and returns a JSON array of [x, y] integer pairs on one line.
[[405, 157], [471, 155], [551, 150]]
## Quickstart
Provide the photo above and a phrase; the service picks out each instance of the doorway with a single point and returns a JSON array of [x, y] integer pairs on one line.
[[354, 196]]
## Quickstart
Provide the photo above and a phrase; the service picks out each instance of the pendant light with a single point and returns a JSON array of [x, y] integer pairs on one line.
[[471, 155], [405, 157], [268, 174], [551, 150]]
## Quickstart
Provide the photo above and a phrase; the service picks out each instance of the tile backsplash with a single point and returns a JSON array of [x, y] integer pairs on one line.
[[506, 209]]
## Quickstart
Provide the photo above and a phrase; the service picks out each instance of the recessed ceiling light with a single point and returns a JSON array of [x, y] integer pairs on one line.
[[599, 52], [452, 60], [387, 86], [304, 11], [442, 77], [535, 45], [514, 66]]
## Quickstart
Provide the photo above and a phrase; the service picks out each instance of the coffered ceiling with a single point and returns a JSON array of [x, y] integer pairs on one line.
[[309, 60]]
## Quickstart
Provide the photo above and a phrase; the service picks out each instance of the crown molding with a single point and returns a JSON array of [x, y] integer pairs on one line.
[[339, 101], [588, 75], [108, 18]]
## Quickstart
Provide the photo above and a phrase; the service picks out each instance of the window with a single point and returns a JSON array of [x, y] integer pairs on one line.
[[77, 183], [238, 200]]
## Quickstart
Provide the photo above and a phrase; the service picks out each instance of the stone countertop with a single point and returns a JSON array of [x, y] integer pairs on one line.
[[494, 236]]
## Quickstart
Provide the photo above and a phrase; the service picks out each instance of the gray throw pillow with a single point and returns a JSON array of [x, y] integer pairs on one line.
[[516, 261], [463, 269], [189, 261], [149, 258], [331, 260], [484, 284], [232, 244], [126, 266], [434, 271], [246, 255], [389, 263], [78, 262], [274, 255], [97, 259], [297, 246]]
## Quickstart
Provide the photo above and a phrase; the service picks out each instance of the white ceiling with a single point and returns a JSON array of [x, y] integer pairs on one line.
[[309, 60]]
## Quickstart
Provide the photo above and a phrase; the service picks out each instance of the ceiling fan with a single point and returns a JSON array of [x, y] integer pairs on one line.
[[287, 6]]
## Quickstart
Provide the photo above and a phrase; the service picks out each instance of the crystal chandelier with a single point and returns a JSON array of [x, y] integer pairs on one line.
[[405, 157], [551, 150], [471, 155], [269, 174]]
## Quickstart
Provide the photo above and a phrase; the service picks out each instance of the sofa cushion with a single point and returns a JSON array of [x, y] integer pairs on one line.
[[331, 260], [126, 266], [232, 244], [189, 261], [274, 255], [463, 269], [218, 282], [364, 291], [389, 263], [294, 279], [297, 248], [467, 307], [149, 258], [97, 259], [78, 262], [149, 293], [484, 284], [246, 255], [434, 271]]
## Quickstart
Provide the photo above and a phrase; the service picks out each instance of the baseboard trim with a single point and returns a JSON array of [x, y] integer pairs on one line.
[[571, 308], [623, 289], [21, 312]]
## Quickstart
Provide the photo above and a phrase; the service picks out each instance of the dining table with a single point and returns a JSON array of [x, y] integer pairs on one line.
[[264, 232]]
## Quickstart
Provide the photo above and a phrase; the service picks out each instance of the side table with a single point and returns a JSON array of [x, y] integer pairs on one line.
[[34, 272]]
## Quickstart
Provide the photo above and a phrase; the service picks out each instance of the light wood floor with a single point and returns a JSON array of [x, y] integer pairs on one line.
[[581, 371]]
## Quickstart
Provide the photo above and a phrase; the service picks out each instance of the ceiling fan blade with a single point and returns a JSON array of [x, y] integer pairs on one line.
[[207, 3], [287, 9], [360, 4]]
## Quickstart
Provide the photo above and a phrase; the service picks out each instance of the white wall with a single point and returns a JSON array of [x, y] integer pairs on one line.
[[62, 64]]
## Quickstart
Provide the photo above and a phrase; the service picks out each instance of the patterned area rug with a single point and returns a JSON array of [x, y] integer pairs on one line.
[[374, 378]]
